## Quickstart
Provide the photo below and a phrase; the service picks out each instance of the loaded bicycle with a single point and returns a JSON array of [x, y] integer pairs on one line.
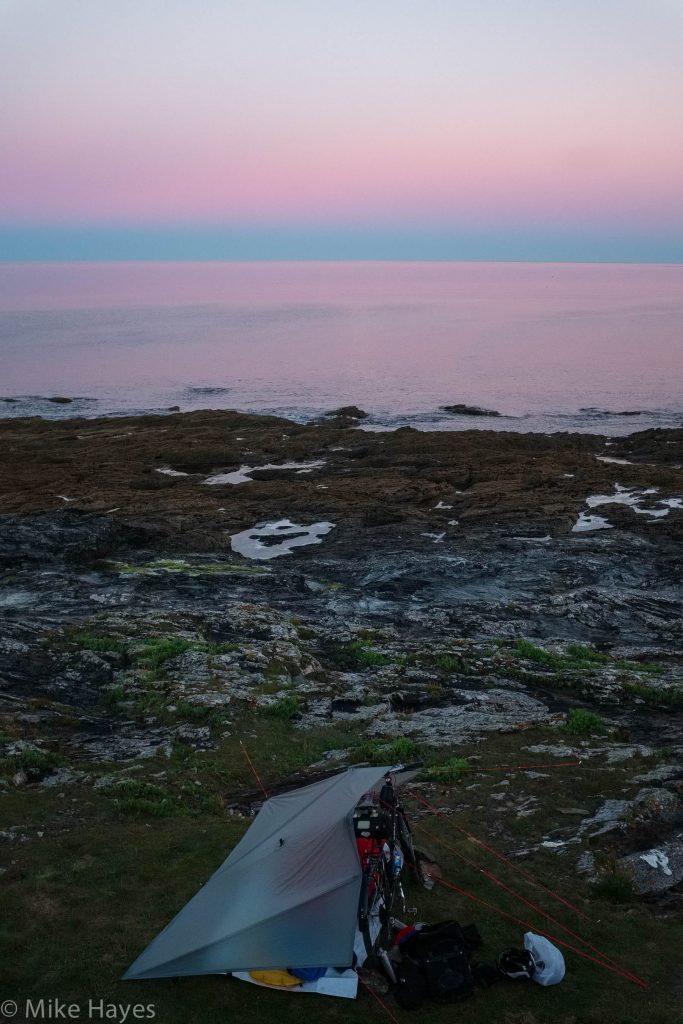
[[385, 846]]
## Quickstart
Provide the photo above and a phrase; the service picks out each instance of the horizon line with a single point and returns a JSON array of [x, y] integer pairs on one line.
[[563, 261]]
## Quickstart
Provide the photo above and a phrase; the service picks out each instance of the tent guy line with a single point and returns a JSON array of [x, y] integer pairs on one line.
[[605, 960], [560, 942], [256, 775], [500, 856], [518, 896]]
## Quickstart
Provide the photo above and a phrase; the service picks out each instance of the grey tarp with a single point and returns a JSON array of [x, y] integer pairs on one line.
[[287, 896]]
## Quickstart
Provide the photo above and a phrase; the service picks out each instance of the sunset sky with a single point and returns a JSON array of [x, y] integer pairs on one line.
[[411, 129]]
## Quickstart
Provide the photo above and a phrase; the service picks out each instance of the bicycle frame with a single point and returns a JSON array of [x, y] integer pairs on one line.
[[382, 871]]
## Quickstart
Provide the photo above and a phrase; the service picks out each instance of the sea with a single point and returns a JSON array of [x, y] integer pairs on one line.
[[549, 346]]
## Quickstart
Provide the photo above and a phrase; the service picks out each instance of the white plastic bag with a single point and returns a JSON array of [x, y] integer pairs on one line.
[[549, 956]]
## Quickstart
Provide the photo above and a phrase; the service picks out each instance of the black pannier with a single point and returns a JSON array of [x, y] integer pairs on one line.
[[443, 952]]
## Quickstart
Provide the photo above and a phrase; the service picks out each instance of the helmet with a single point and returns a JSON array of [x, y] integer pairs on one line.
[[517, 963]]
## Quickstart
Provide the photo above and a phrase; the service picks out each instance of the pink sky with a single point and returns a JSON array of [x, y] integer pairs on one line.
[[482, 113]]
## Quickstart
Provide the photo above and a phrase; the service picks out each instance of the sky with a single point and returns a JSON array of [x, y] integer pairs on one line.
[[334, 129]]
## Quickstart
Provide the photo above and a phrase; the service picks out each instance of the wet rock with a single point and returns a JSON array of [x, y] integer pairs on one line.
[[468, 410], [80, 679], [653, 805], [608, 818], [64, 535], [655, 870], [348, 412], [665, 772], [196, 736], [658, 805], [128, 743], [586, 864], [473, 715], [13, 835], [192, 669], [438, 623], [63, 777]]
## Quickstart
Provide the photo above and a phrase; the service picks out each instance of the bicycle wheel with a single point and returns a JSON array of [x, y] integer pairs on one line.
[[376, 897]]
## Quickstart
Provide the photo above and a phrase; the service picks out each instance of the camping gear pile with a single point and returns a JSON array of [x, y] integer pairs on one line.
[[435, 961], [305, 898]]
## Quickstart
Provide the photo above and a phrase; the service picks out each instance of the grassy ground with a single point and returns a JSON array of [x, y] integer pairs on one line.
[[78, 904]]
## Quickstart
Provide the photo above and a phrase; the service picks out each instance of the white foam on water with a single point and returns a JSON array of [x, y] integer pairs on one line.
[[436, 537], [633, 497], [621, 496], [655, 513], [290, 535], [586, 523], [617, 462], [442, 505], [243, 474], [167, 471]]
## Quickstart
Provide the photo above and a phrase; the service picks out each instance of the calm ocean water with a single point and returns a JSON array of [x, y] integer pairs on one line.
[[550, 346]]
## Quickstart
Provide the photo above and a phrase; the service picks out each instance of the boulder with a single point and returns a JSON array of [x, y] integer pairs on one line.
[[351, 412], [468, 410], [655, 870]]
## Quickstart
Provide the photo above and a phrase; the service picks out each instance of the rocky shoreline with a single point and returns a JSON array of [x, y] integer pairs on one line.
[[408, 592]]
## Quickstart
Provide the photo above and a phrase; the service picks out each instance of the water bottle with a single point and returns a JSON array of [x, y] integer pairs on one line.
[[398, 860]]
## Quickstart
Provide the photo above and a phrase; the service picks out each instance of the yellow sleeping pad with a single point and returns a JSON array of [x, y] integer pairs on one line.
[[278, 979]]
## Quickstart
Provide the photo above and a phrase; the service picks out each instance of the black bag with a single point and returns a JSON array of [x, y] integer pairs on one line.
[[411, 984], [485, 974], [443, 950], [448, 972], [468, 937]]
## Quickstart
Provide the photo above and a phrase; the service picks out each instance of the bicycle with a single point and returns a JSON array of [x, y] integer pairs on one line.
[[385, 845]]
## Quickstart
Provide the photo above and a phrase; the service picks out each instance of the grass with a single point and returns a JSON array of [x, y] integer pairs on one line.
[[172, 565], [286, 708], [113, 697], [35, 763], [671, 697], [449, 663], [616, 887], [198, 713], [581, 654], [531, 652], [79, 905], [359, 654], [581, 722], [578, 657], [147, 799], [386, 750], [99, 644], [159, 649], [450, 771]]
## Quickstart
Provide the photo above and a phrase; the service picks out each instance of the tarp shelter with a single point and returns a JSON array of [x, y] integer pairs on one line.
[[287, 896]]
